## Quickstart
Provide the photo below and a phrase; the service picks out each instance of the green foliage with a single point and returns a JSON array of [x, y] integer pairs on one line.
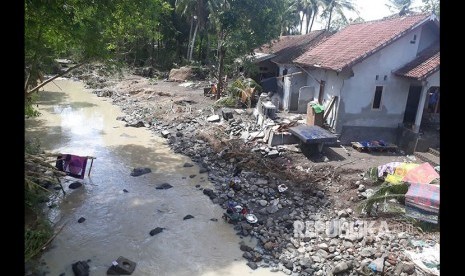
[[32, 146], [386, 191], [431, 6], [35, 237], [29, 110], [226, 102]]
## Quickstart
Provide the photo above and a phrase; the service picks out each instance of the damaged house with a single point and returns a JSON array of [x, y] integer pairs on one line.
[[377, 79]]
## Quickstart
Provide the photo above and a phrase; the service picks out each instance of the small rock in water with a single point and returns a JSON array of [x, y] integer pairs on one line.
[[126, 191], [197, 186], [80, 268], [164, 186], [252, 265], [187, 165], [140, 171], [214, 219], [155, 231], [75, 185], [81, 220], [203, 170], [188, 217], [192, 175]]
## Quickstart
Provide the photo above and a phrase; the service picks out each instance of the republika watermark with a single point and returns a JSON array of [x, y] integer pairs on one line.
[[342, 227]]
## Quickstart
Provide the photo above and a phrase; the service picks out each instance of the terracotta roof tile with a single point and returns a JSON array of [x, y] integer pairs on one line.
[[426, 63], [286, 48], [358, 41]]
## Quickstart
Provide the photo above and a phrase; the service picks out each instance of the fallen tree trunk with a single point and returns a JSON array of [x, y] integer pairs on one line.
[[28, 93]]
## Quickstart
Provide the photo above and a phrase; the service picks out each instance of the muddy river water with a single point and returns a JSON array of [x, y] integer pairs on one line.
[[117, 223]]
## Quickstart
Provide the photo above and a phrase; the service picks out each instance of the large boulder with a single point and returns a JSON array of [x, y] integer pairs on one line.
[[181, 74]]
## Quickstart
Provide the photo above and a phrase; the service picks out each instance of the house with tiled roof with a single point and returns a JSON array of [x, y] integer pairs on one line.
[[273, 58], [375, 78]]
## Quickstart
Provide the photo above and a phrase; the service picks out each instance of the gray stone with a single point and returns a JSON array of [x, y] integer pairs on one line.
[[81, 268], [361, 188], [342, 214], [367, 252], [263, 202], [320, 194], [164, 186], [273, 153], [188, 217], [155, 231], [272, 209], [252, 265], [75, 185], [187, 165], [342, 267], [213, 118], [140, 171]]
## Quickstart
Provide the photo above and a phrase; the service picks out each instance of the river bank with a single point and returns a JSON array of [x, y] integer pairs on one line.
[[318, 192]]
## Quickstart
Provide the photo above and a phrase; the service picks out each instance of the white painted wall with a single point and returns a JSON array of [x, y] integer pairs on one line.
[[359, 91], [434, 79], [356, 93]]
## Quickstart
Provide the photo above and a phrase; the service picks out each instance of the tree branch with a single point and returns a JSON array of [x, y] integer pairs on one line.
[[28, 93]]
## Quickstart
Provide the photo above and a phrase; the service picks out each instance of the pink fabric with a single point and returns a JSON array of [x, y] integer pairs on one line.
[[422, 174]]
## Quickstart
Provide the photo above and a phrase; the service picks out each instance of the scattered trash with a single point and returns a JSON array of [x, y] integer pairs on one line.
[[412, 158], [121, 266], [251, 218], [427, 260], [282, 188]]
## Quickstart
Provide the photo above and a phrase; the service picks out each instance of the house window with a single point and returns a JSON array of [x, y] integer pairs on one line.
[[284, 73], [414, 39], [377, 77], [385, 77], [377, 98]]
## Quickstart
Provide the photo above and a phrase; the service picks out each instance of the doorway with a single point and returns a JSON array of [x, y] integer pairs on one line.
[[411, 107]]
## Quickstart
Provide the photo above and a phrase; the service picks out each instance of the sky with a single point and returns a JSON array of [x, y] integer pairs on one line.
[[368, 10]]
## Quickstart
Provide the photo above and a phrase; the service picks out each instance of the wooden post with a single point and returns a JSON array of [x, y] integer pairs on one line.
[[91, 163]]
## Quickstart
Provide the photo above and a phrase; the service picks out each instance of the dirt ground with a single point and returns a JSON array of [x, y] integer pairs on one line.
[[339, 169]]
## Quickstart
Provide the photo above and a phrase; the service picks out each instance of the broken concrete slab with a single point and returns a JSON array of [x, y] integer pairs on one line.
[[227, 113], [273, 153], [282, 138], [213, 118], [257, 135], [122, 266]]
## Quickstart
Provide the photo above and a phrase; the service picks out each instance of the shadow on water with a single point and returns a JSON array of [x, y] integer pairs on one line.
[[51, 98], [141, 156], [55, 136]]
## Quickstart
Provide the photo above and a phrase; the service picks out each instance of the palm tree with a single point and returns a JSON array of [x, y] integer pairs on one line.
[[198, 13], [289, 17], [400, 6], [316, 4], [337, 6]]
